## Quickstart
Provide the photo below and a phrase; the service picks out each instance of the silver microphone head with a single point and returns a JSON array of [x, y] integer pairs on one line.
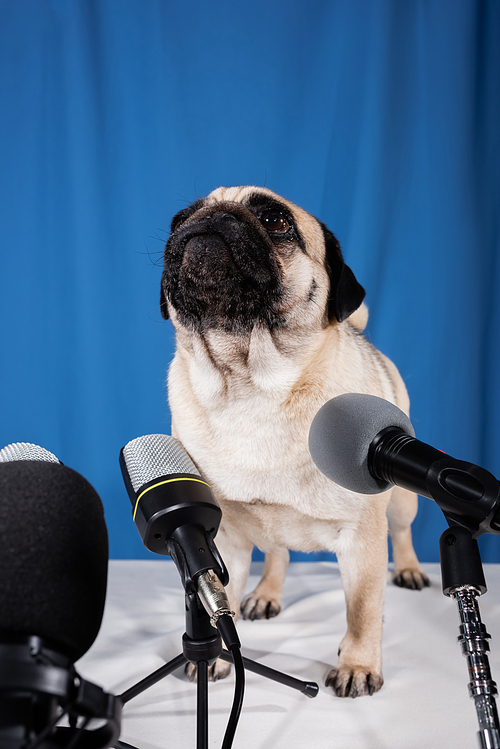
[[26, 451], [154, 455]]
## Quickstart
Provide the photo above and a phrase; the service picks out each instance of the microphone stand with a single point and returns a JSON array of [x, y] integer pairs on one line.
[[202, 645], [463, 580]]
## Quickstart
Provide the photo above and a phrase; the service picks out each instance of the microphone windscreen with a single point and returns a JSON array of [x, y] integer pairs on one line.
[[341, 434], [53, 554], [152, 456]]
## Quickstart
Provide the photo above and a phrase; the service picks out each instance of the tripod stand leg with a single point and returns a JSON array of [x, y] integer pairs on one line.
[[309, 688], [157, 675]]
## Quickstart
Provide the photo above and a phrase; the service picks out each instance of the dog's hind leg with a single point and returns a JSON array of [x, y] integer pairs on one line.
[[265, 601], [401, 512]]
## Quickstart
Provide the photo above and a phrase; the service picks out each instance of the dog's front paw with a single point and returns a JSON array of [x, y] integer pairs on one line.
[[218, 670], [414, 579], [353, 681], [255, 607]]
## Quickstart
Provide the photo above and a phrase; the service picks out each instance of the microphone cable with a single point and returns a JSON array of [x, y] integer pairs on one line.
[[48, 728], [227, 630], [66, 709], [239, 690]]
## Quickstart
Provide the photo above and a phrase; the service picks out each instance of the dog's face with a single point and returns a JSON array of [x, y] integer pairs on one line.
[[244, 256]]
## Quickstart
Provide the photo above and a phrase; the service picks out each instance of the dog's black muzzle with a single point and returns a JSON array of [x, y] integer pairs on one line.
[[220, 270]]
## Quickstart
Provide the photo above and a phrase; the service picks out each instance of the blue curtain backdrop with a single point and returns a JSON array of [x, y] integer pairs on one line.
[[381, 117]]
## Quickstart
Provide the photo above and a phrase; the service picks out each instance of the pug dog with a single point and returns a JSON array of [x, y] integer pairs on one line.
[[268, 320]]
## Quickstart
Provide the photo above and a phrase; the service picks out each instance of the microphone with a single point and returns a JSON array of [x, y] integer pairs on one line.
[[54, 559], [176, 514], [366, 444]]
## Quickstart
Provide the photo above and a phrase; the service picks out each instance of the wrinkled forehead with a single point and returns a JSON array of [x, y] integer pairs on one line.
[[307, 225]]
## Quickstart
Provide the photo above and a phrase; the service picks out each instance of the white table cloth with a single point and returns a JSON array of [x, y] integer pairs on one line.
[[424, 702]]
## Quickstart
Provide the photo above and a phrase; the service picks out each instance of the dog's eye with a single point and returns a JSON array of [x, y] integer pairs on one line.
[[275, 222]]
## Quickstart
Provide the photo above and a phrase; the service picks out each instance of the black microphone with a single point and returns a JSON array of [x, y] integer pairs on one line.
[[366, 444], [176, 514], [54, 559]]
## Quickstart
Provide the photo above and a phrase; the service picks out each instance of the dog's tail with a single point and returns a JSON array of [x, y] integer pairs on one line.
[[359, 317]]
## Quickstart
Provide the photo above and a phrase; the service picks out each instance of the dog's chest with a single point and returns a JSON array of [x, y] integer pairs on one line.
[[248, 435], [253, 451], [236, 409], [253, 435]]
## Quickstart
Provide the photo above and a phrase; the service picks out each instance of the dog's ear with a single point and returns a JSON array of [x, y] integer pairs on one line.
[[346, 294], [163, 303]]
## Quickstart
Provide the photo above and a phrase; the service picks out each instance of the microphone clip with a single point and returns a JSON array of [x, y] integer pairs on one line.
[[31, 671], [468, 495], [193, 550]]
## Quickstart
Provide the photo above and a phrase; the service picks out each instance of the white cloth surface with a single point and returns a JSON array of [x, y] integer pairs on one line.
[[424, 702]]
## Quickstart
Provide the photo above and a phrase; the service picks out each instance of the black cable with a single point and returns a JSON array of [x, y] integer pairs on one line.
[[239, 690], [47, 730], [225, 625], [79, 732]]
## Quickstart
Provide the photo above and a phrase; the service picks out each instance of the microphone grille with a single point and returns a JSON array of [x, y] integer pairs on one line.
[[154, 455], [26, 451]]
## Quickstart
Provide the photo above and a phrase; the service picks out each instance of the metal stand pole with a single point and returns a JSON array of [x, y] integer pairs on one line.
[[473, 640], [463, 580]]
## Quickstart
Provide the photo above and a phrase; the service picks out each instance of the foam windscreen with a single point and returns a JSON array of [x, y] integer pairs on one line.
[[53, 554], [341, 434]]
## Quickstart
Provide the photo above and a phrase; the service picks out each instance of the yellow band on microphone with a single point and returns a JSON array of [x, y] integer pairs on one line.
[[160, 483]]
